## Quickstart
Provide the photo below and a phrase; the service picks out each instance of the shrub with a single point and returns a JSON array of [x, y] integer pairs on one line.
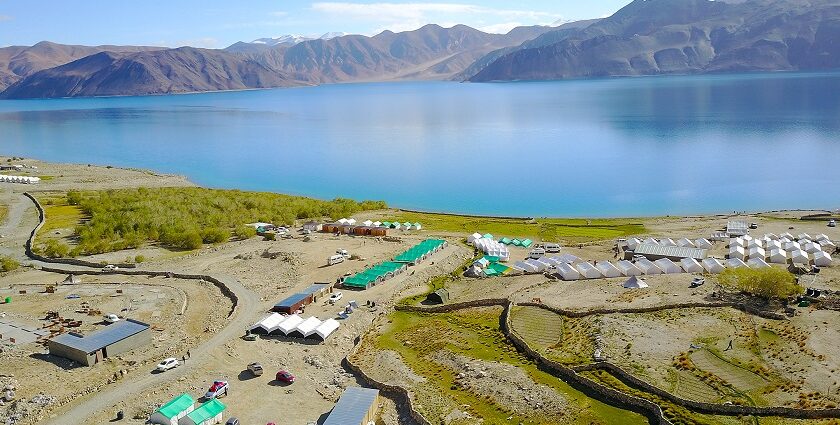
[[8, 264], [245, 232], [768, 283], [269, 236], [139, 258], [55, 249], [215, 235]]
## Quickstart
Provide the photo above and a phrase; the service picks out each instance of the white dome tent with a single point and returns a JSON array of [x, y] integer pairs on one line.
[[778, 256], [588, 271], [567, 272], [713, 265], [647, 267], [690, 265], [734, 263], [757, 252], [608, 269], [628, 269], [737, 252], [686, 243], [811, 247], [757, 263], [798, 256], [667, 266], [635, 283], [822, 259], [702, 243]]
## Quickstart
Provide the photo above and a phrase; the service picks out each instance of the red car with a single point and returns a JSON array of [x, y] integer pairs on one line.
[[284, 376]]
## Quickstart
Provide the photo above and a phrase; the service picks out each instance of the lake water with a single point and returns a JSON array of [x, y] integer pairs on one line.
[[610, 147]]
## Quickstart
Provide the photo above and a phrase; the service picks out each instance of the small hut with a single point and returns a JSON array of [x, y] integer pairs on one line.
[[71, 279], [441, 296]]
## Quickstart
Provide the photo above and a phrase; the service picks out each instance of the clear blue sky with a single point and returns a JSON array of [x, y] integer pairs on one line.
[[216, 23]]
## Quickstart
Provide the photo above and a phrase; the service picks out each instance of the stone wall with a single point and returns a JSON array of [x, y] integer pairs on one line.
[[448, 308], [598, 312], [69, 261]]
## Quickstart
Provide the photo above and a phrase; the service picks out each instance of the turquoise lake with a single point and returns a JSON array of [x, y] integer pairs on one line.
[[607, 147]]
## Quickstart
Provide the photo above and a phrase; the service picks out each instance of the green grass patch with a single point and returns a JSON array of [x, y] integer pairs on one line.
[[544, 229], [181, 218], [476, 334], [4, 212], [62, 217]]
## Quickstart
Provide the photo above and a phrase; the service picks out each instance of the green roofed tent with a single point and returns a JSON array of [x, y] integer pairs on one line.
[[527, 243], [497, 268], [516, 242], [386, 224], [487, 236], [491, 258], [207, 413], [175, 409], [505, 241]]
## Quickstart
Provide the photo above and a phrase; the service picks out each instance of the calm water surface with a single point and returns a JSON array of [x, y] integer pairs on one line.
[[615, 147]]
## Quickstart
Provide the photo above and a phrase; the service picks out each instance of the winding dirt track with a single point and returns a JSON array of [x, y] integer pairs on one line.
[[79, 412]]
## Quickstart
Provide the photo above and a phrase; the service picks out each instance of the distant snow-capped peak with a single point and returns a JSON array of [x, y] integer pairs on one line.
[[283, 39]]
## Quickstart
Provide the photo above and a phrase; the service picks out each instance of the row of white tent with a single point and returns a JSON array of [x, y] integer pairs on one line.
[[295, 326], [632, 243], [793, 254], [539, 265], [625, 268], [19, 179], [369, 223], [819, 243], [490, 247]]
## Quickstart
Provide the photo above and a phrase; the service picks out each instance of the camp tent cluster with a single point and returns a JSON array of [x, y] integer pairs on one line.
[[486, 244], [383, 271], [383, 224], [487, 266], [19, 179], [782, 249], [525, 243], [181, 410], [295, 326], [702, 243]]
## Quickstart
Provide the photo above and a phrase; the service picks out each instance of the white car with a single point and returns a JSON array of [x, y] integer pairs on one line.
[[110, 267], [112, 318], [335, 297], [166, 364]]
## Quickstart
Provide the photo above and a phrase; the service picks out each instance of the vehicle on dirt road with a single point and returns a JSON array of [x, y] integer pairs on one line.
[[232, 421], [218, 389], [112, 318], [335, 297], [109, 268], [285, 377], [166, 364], [256, 369]]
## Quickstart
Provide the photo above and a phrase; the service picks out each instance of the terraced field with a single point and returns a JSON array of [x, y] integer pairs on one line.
[[539, 327], [692, 388], [742, 379]]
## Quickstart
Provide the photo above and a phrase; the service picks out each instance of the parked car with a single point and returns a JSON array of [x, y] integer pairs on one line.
[[232, 421], [285, 377], [218, 389], [249, 336], [110, 267], [256, 369], [112, 318], [551, 247], [832, 223], [335, 259], [335, 297], [343, 253], [166, 364]]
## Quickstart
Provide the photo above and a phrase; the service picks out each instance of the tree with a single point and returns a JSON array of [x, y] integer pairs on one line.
[[55, 249], [768, 283], [8, 264], [245, 232]]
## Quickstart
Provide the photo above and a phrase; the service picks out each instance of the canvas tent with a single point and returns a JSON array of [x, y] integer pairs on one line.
[[737, 242], [756, 252], [713, 265], [325, 329], [632, 243], [608, 269], [811, 247], [306, 328], [268, 324], [635, 283], [802, 236], [757, 263], [686, 243], [798, 256], [648, 267], [737, 252], [628, 269], [771, 245], [289, 324], [651, 241], [735, 263], [526, 267], [568, 272], [792, 246], [171, 412], [206, 414], [667, 266], [690, 265], [822, 259], [778, 256], [702, 243], [667, 242], [588, 271], [71, 279], [473, 237]]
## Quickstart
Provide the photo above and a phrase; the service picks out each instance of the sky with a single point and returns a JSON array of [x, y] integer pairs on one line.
[[217, 24]]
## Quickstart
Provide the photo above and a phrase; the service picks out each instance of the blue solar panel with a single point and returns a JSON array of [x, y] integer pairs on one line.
[[103, 337]]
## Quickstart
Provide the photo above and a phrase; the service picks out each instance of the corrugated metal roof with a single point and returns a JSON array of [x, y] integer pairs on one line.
[[103, 337], [317, 287], [292, 300], [670, 251], [352, 407]]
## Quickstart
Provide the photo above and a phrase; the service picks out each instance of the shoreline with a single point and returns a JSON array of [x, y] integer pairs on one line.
[[159, 173]]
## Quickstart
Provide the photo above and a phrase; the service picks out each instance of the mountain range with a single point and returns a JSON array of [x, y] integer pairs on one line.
[[646, 37]]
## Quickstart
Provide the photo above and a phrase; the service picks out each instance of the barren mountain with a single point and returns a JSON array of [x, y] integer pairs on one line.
[[650, 37]]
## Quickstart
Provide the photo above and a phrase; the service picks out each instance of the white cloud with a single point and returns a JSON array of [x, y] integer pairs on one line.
[[501, 28], [406, 16], [4, 18], [204, 42]]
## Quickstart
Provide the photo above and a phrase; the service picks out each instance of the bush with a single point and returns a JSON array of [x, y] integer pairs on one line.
[[768, 283], [8, 264], [245, 232], [269, 236], [178, 217], [55, 249], [139, 258]]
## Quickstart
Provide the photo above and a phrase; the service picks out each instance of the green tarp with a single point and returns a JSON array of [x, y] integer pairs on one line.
[[487, 236], [505, 241], [206, 411], [516, 242], [491, 258], [177, 405], [496, 268], [527, 243]]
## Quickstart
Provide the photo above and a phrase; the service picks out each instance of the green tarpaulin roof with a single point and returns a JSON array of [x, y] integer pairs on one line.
[[487, 236], [206, 411], [516, 242], [505, 241], [491, 258], [177, 405], [527, 242], [496, 267]]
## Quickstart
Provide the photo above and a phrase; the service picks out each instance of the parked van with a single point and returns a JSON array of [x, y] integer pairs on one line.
[[335, 259], [343, 253], [536, 253], [551, 247]]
